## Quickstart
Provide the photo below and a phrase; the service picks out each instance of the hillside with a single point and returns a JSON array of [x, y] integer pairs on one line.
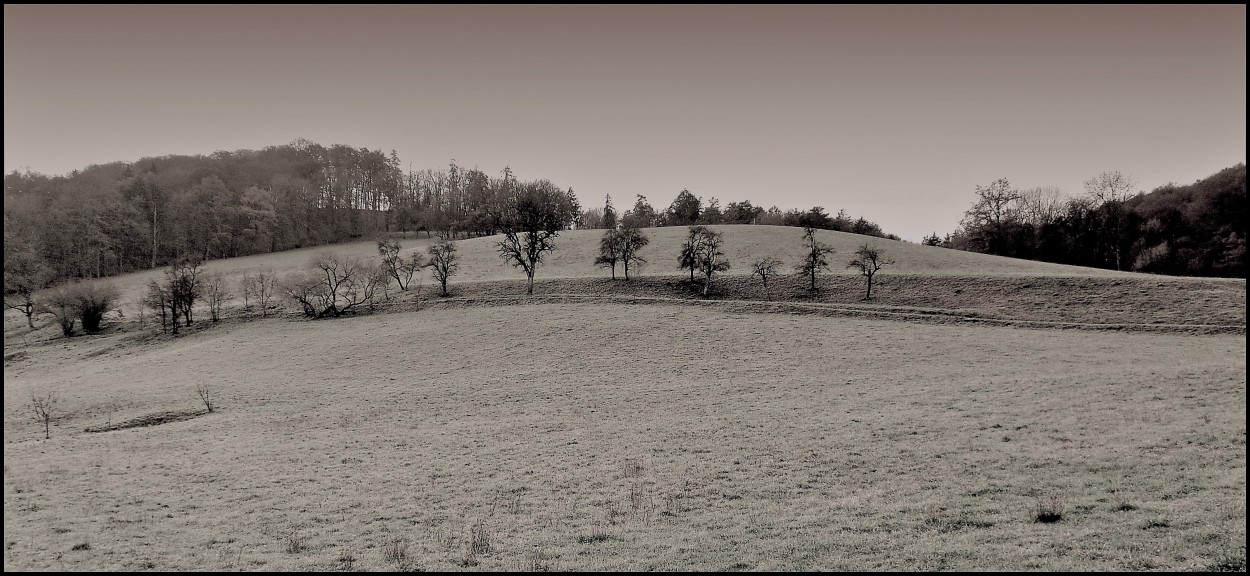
[[924, 279], [598, 435]]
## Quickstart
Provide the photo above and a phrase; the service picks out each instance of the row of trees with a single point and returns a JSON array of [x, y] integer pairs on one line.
[[688, 209], [1185, 230], [702, 252]]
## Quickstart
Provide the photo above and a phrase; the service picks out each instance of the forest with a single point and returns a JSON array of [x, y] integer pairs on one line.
[[1193, 230]]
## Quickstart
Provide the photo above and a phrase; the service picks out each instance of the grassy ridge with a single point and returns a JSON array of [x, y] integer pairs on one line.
[[923, 276]]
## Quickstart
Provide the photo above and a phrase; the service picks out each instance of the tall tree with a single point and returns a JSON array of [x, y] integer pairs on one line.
[[530, 226], [684, 210], [1108, 191], [710, 258], [815, 257]]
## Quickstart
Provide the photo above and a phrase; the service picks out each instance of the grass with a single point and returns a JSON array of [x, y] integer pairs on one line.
[[669, 437]]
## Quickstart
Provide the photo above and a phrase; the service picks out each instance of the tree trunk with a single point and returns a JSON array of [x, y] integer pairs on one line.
[[868, 295], [627, 270], [530, 288]]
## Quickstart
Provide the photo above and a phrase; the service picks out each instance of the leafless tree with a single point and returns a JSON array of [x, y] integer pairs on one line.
[[397, 267], [245, 288], [342, 284], [631, 240], [215, 293], [444, 262], [46, 407], [530, 225], [206, 395], [869, 261], [1108, 191], [709, 258], [264, 285], [815, 257], [158, 300], [184, 285], [688, 258], [765, 268]]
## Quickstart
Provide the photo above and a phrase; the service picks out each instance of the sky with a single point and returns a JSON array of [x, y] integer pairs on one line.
[[894, 113]]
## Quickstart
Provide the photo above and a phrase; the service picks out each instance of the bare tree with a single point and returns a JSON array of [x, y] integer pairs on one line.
[[158, 300], [869, 261], [397, 267], [24, 275], [688, 258], [184, 285], [264, 285], [215, 293], [609, 250], [342, 284], [765, 268], [1108, 191], [245, 288], [815, 257], [530, 225], [46, 407], [630, 241], [709, 258], [206, 395], [443, 262]]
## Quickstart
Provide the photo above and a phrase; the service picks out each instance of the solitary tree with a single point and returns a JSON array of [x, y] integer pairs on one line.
[[688, 258], [443, 262], [631, 240], [609, 250], [815, 257], [709, 258], [869, 261], [530, 225], [765, 268], [46, 406]]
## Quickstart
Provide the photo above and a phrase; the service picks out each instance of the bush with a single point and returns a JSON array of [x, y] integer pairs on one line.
[[84, 301]]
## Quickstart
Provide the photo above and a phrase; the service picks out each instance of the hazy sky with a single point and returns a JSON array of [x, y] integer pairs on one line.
[[895, 112]]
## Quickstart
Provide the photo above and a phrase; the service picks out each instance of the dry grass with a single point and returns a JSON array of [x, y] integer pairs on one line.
[[632, 437]]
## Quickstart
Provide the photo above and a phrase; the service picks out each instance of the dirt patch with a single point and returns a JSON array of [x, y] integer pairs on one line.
[[14, 357], [153, 419]]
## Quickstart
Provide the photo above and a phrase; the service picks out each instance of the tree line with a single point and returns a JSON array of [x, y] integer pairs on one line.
[[110, 219], [1194, 230]]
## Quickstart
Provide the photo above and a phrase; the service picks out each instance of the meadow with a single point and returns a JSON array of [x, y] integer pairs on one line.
[[606, 426]]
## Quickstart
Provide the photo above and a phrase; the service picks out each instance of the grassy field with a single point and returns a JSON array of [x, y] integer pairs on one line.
[[607, 425], [613, 436]]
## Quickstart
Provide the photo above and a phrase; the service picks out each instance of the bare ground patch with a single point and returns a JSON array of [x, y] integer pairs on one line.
[[154, 419]]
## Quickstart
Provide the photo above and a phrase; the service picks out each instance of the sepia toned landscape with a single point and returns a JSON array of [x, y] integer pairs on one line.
[[604, 432], [624, 288]]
